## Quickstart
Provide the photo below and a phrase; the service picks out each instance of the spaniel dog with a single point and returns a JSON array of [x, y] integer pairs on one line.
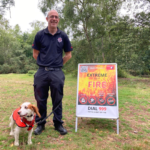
[[24, 118]]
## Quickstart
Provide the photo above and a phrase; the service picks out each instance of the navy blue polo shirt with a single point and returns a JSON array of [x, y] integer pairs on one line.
[[51, 47]]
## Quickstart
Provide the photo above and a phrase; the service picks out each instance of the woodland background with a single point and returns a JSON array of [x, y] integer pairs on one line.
[[96, 28]]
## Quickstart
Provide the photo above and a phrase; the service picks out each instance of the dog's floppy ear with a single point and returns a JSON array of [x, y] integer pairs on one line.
[[36, 110]]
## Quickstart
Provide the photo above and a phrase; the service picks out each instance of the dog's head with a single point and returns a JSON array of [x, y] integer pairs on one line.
[[27, 110]]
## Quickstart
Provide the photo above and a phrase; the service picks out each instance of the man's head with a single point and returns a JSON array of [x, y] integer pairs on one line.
[[52, 19]]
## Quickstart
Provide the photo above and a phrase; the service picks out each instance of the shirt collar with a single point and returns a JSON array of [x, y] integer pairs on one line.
[[47, 32]]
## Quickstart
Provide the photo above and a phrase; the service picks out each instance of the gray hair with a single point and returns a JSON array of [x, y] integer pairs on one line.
[[50, 11]]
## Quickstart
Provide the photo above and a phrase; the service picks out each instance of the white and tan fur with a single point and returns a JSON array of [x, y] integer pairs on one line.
[[26, 109]]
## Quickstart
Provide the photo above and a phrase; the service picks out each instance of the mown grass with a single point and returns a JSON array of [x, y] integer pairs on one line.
[[92, 134]]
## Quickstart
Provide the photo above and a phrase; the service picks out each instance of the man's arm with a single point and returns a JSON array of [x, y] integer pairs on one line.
[[67, 57], [35, 53]]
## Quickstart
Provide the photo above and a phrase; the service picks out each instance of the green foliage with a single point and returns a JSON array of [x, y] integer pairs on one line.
[[122, 73], [31, 72], [5, 5], [5, 69], [74, 73], [99, 35], [15, 48], [64, 71]]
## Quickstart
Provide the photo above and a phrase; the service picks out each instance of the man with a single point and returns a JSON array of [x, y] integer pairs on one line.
[[48, 48]]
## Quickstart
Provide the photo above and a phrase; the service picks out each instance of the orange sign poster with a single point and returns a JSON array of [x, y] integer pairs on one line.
[[97, 85]]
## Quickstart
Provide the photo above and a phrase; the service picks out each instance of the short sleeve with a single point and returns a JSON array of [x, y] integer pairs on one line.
[[67, 44], [36, 43]]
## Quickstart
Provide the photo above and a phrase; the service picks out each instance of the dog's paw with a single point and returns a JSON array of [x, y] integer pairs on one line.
[[16, 143], [29, 142], [11, 133]]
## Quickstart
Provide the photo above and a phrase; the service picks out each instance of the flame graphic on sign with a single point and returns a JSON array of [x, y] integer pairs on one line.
[[91, 83]]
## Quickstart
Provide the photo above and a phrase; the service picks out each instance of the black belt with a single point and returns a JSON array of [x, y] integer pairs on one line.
[[50, 68]]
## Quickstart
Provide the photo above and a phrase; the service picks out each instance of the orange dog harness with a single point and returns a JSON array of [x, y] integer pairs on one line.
[[22, 122]]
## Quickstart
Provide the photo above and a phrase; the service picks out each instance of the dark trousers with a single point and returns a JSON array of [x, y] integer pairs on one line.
[[43, 81]]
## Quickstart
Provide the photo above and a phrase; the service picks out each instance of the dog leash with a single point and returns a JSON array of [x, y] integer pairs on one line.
[[48, 115]]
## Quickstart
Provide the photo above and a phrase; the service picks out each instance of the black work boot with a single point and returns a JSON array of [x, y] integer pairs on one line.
[[61, 129], [39, 129]]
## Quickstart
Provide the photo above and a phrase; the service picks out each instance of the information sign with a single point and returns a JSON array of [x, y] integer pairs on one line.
[[97, 91]]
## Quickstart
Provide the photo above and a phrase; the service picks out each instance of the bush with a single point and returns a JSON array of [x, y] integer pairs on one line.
[[122, 73], [5, 68], [146, 72], [74, 73], [31, 72], [64, 71]]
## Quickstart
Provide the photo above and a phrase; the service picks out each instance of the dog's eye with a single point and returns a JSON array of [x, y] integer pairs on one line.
[[26, 107]]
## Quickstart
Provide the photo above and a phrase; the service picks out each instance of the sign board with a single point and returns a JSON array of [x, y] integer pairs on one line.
[[97, 91]]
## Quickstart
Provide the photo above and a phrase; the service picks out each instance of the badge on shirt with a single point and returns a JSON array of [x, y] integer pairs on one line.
[[59, 39]]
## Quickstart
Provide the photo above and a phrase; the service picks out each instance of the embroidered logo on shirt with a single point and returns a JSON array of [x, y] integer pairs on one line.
[[59, 39]]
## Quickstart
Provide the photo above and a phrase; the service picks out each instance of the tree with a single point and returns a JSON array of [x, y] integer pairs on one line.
[[16, 48], [87, 21], [99, 34], [6, 5]]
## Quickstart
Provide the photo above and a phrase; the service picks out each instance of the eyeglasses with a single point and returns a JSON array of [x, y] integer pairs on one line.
[[52, 17]]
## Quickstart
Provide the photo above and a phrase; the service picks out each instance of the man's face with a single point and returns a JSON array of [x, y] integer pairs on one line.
[[52, 19]]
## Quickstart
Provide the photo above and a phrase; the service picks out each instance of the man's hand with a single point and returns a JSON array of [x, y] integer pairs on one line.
[[35, 53], [67, 57]]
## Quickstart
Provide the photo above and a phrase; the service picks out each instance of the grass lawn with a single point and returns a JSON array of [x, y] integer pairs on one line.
[[92, 134]]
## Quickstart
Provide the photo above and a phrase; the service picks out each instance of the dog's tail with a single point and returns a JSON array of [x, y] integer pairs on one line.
[[11, 120]]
